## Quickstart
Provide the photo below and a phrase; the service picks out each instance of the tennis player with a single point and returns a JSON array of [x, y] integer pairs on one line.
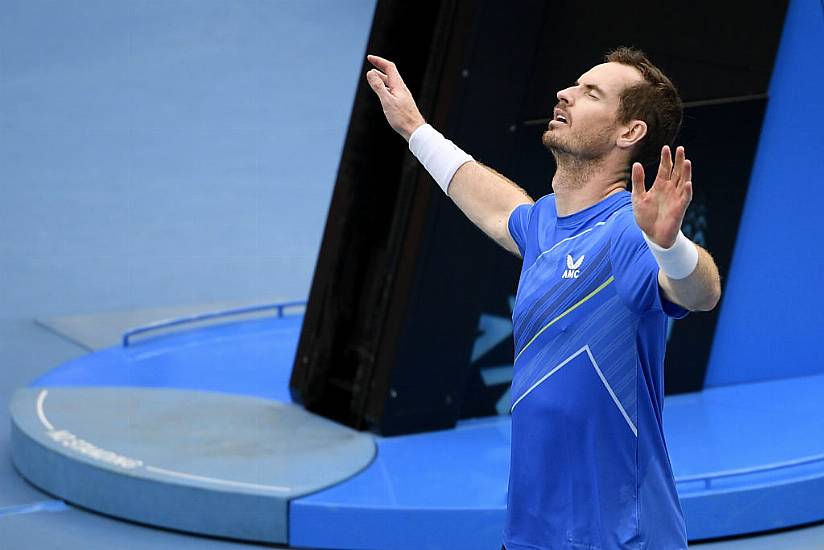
[[603, 269]]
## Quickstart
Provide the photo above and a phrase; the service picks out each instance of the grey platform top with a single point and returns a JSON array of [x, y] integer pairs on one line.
[[93, 445], [199, 438]]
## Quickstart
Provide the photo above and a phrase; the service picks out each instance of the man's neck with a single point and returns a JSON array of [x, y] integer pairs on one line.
[[578, 184]]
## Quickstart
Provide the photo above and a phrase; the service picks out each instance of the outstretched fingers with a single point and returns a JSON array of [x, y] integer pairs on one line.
[[380, 75], [376, 60], [638, 187], [665, 166], [686, 175], [387, 68], [380, 62], [377, 81], [678, 168]]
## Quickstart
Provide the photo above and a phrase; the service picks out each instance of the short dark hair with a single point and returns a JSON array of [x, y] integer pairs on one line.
[[655, 101]]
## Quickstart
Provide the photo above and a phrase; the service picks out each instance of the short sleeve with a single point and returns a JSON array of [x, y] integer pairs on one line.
[[635, 269], [518, 223]]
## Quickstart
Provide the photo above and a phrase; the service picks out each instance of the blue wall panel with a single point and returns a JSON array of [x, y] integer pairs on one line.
[[770, 324]]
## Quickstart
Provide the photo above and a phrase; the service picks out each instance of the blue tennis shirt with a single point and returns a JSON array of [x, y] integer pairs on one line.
[[589, 468]]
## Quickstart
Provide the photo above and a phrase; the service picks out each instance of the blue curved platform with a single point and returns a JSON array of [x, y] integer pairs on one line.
[[741, 454], [209, 463]]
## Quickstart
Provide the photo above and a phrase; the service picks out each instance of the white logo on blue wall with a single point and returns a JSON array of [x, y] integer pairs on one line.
[[492, 330], [573, 267]]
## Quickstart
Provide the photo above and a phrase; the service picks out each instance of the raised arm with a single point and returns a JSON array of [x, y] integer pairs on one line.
[[688, 274], [486, 197]]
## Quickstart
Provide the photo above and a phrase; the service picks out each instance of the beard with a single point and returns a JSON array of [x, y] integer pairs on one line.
[[573, 147], [577, 153]]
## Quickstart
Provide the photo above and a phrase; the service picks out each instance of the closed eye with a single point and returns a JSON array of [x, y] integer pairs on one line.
[[591, 89]]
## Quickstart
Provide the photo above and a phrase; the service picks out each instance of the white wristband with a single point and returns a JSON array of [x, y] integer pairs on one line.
[[677, 261], [439, 156]]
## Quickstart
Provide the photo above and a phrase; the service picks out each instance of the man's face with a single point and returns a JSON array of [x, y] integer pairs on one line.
[[584, 123]]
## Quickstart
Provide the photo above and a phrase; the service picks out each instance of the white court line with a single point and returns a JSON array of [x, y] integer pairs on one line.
[[41, 414], [278, 488]]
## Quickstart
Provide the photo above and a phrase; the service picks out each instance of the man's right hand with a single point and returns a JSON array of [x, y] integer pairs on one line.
[[485, 196], [399, 107]]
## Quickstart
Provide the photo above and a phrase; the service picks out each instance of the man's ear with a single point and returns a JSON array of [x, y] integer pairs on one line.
[[631, 133]]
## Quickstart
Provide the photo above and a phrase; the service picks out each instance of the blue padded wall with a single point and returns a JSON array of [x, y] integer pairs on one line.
[[770, 321]]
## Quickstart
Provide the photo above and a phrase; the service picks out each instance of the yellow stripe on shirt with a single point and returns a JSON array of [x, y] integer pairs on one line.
[[601, 287]]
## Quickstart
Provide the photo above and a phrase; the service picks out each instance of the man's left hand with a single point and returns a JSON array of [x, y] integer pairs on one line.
[[660, 211]]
